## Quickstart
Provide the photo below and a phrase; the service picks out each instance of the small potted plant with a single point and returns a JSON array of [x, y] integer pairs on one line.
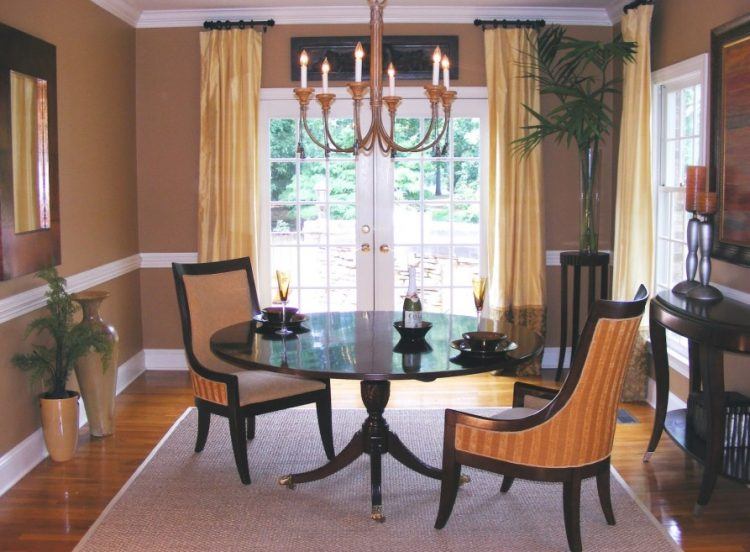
[[51, 363]]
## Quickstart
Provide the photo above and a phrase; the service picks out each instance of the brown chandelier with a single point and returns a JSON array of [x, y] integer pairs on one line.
[[377, 135]]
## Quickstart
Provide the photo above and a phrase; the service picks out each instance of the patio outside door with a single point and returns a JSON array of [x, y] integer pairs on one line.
[[347, 229]]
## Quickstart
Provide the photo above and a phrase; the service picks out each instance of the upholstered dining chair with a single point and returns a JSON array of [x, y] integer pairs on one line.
[[212, 296], [568, 439]]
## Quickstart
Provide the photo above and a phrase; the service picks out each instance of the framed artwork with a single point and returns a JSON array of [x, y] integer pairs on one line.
[[730, 138], [410, 55]]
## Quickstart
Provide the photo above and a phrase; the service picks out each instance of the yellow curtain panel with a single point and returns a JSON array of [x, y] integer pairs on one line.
[[515, 230], [633, 255], [228, 207]]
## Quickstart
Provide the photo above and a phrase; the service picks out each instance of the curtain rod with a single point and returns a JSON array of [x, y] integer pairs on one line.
[[510, 23], [633, 5], [241, 24]]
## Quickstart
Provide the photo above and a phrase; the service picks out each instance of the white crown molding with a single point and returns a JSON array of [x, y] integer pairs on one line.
[[165, 260], [330, 15], [122, 9], [614, 10], [22, 458]]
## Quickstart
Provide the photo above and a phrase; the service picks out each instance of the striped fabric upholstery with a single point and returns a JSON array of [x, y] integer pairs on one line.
[[582, 432], [208, 390]]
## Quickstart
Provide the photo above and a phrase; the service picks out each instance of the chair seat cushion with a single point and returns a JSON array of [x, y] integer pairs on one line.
[[260, 386], [514, 413]]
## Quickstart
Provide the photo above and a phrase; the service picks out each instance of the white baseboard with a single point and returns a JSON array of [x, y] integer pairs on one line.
[[674, 403], [165, 359], [22, 458]]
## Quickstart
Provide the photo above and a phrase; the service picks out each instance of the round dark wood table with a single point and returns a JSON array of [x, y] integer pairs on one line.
[[364, 346]]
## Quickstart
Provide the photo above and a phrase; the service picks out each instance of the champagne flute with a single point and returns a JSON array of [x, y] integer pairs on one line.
[[282, 279], [479, 285]]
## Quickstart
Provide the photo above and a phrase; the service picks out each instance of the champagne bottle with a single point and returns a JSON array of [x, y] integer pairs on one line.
[[412, 317]]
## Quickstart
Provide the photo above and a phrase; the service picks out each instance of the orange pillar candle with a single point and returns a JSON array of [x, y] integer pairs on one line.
[[706, 203], [695, 181]]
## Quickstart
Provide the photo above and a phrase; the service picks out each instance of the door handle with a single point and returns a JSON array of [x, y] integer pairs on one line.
[[365, 247], [385, 248]]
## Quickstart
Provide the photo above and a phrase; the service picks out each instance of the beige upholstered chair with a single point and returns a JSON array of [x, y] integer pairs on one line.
[[567, 440], [215, 295]]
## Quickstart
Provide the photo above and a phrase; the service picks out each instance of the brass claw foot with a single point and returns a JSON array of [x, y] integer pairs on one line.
[[464, 479], [377, 514], [286, 481]]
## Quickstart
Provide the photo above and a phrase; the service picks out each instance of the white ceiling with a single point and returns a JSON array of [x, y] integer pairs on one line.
[[183, 13]]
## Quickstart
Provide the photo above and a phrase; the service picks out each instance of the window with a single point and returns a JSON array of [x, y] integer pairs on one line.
[[679, 111]]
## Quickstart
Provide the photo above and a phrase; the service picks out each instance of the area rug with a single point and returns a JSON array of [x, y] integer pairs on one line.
[[180, 500]]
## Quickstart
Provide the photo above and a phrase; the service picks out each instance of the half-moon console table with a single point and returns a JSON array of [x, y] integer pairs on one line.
[[711, 328]]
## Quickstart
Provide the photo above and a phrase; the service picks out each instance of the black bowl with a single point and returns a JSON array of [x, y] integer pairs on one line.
[[273, 314], [412, 334]]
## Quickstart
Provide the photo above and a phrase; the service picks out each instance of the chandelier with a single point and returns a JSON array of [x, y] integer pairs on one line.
[[380, 134]]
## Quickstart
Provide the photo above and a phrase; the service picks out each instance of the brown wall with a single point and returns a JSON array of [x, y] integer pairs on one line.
[[167, 100], [96, 118], [682, 29]]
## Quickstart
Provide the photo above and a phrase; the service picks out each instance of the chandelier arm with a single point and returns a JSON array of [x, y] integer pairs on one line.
[[422, 146], [309, 132], [336, 148]]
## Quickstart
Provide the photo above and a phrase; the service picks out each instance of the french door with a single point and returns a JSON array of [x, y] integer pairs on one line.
[[347, 229]]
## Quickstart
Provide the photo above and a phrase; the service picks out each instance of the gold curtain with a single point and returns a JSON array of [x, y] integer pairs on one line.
[[633, 255], [515, 232], [229, 180], [24, 100]]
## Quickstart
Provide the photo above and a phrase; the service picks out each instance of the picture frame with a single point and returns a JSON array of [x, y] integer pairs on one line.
[[411, 56], [730, 139]]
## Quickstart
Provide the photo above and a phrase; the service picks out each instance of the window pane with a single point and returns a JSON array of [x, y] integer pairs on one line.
[[343, 266], [407, 134], [282, 181], [465, 264], [436, 181], [463, 301], [284, 258], [313, 257], [343, 300], [406, 223], [437, 226], [466, 178], [312, 300], [436, 299], [465, 137], [283, 138], [312, 181], [466, 223], [342, 224], [311, 150], [406, 180], [342, 181], [314, 222], [283, 224], [403, 258], [436, 266], [343, 134]]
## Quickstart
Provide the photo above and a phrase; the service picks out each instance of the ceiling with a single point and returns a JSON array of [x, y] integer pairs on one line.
[[185, 13]]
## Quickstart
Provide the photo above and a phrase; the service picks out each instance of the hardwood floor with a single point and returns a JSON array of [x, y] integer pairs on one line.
[[54, 505]]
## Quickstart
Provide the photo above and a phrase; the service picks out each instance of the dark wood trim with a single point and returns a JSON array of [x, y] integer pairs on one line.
[[720, 36], [522, 389]]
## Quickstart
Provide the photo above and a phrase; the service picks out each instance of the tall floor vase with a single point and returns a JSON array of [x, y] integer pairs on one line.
[[589, 214], [97, 382]]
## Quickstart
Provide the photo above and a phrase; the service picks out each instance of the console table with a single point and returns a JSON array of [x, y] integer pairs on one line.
[[711, 328], [576, 259]]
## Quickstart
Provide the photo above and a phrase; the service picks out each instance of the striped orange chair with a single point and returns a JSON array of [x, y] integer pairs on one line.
[[570, 438], [215, 295]]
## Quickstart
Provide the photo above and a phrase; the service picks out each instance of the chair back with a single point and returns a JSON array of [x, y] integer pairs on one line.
[[212, 296], [581, 419]]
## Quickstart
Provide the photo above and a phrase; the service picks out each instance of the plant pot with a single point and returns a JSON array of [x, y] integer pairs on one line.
[[98, 383], [588, 237], [60, 425]]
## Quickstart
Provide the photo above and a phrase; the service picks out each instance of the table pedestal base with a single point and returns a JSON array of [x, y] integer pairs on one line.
[[376, 439]]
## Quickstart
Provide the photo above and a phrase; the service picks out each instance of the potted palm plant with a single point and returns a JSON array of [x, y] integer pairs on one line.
[[575, 73], [51, 363]]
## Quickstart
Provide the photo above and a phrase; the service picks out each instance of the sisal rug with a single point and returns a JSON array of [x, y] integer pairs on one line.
[[179, 500]]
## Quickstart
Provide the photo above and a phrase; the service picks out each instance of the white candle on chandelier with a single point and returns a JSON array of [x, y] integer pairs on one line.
[[325, 69], [436, 57], [391, 79], [359, 53], [446, 72], [303, 61]]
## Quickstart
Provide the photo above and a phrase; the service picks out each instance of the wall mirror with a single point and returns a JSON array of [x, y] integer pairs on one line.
[[29, 207]]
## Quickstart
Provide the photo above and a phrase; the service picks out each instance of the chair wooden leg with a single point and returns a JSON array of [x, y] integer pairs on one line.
[[448, 490], [204, 421], [572, 512], [507, 482], [605, 498], [325, 424], [239, 445], [251, 427]]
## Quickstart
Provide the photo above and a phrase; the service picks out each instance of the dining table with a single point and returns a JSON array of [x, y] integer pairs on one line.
[[365, 346]]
